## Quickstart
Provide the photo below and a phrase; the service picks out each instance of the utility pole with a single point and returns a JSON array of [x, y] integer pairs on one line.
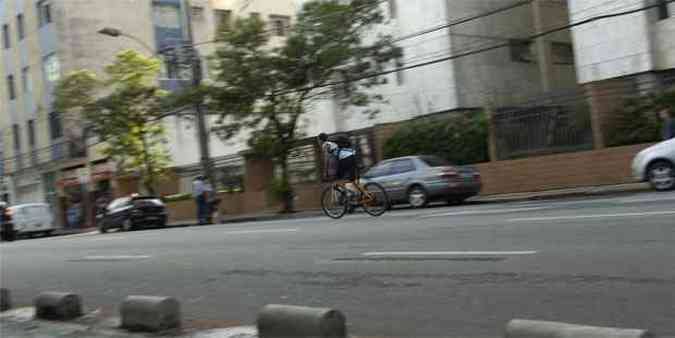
[[202, 130]]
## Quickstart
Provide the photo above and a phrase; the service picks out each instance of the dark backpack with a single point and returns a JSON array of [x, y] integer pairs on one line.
[[342, 140]]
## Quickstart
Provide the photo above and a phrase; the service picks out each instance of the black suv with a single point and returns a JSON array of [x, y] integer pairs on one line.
[[130, 213]]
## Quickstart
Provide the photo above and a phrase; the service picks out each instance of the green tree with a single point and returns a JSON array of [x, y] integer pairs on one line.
[[121, 110], [263, 91]]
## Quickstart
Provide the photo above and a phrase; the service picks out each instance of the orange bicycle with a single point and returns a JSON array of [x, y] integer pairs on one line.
[[337, 199]]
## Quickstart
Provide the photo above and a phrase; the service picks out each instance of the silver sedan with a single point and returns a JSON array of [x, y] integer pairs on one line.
[[418, 180]]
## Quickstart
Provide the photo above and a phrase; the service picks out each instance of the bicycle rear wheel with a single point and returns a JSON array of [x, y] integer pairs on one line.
[[376, 201], [334, 202]]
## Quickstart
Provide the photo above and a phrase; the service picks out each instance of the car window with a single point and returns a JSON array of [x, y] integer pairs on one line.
[[434, 161], [382, 169], [402, 166], [118, 203]]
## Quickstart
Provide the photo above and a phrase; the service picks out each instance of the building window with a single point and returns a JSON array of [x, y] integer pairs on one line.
[[280, 24], [663, 10], [11, 90], [55, 125], [563, 53], [400, 75], [26, 80], [44, 13], [197, 13], [20, 28], [166, 16], [31, 133], [223, 19], [52, 67], [393, 9], [521, 51], [16, 130], [6, 41]]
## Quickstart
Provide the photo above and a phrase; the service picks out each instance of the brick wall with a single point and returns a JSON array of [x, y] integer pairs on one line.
[[588, 168]]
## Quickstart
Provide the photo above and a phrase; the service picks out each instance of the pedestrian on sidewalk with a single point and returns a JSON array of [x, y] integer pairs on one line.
[[200, 196], [666, 115]]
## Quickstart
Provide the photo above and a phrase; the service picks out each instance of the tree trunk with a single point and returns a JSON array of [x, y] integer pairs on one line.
[[148, 181], [287, 199]]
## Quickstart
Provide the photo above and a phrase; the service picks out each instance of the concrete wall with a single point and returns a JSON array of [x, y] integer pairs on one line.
[[494, 76], [612, 47], [664, 44]]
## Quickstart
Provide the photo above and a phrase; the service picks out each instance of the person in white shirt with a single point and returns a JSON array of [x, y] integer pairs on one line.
[[200, 194]]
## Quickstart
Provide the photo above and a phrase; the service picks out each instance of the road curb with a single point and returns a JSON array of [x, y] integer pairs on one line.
[[276, 321], [150, 314], [519, 328], [58, 306]]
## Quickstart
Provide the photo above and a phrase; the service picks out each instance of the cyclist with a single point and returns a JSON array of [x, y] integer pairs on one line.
[[338, 152]]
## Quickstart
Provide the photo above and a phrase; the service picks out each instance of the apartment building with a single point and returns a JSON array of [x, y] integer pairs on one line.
[[627, 53], [47, 157], [430, 30]]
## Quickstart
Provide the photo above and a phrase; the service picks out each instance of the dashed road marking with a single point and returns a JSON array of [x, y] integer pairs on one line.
[[448, 253], [112, 258]]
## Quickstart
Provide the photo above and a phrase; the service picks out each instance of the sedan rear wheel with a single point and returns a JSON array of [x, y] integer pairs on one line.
[[418, 197], [662, 176]]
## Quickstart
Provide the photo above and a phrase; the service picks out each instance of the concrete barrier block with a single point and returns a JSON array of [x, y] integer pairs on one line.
[[58, 306], [518, 328], [150, 314], [5, 300], [285, 321]]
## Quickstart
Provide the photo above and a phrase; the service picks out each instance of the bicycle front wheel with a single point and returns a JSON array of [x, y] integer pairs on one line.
[[334, 202], [376, 200]]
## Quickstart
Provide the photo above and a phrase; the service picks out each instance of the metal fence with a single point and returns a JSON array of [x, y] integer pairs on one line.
[[551, 124]]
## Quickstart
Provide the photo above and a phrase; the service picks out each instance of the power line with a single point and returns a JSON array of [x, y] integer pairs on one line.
[[476, 51]]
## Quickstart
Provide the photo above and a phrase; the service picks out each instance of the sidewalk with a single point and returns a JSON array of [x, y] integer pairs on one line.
[[564, 193], [500, 198], [258, 217], [20, 323]]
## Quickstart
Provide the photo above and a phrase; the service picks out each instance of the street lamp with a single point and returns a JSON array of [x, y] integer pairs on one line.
[[202, 133]]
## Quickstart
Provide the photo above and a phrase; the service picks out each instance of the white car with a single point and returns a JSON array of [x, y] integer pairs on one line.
[[33, 218], [656, 165]]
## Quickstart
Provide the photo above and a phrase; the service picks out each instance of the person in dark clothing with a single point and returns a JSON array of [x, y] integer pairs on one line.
[[666, 115]]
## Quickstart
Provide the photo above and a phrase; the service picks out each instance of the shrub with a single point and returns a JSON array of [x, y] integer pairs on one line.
[[460, 139], [637, 122]]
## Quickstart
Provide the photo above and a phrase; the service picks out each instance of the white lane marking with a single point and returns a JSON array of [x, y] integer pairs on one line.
[[115, 257], [560, 218], [260, 231], [485, 212], [646, 199], [449, 253]]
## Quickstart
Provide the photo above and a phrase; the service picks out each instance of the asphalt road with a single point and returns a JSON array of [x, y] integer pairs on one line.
[[439, 272]]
